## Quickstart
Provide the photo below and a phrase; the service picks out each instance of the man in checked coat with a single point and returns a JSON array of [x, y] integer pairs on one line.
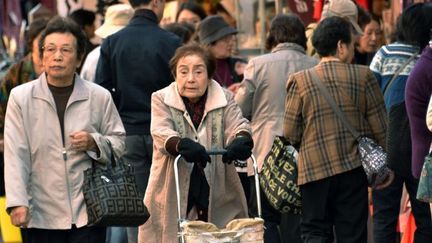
[[331, 178]]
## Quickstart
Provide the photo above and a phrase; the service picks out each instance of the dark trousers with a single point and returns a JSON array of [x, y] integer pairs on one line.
[[335, 205], [270, 215], [386, 205], [75, 235], [139, 150], [289, 228]]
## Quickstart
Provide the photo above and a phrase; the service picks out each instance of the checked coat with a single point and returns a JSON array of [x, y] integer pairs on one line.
[[326, 147]]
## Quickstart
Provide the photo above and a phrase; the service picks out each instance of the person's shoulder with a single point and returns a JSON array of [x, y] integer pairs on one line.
[[95, 89], [165, 91], [24, 90], [168, 37], [359, 67]]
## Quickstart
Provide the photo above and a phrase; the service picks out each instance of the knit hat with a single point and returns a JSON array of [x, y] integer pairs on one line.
[[116, 18], [342, 8], [214, 28]]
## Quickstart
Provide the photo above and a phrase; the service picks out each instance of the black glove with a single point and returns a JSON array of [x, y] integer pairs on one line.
[[239, 149], [193, 152]]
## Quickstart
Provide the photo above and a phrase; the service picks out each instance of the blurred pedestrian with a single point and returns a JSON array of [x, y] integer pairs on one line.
[[86, 20], [116, 18], [342, 8], [261, 97], [371, 39], [219, 37], [392, 65], [183, 30], [190, 12], [417, 95]]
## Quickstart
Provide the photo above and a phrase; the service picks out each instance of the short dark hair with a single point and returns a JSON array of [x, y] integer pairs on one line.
[[329, 32], [413, 25], [137, 3], [194, 49], [83, 17], [183, 30], [35, 28], [286, 28], [364, 17], [64, 25], [194, 8]]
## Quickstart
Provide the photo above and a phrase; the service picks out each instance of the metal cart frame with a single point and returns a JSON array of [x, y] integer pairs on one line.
[[212, 152]]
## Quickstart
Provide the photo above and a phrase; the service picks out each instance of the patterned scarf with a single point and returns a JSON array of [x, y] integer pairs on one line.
[[196, 110]]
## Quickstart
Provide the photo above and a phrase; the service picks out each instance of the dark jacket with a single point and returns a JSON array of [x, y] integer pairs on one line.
[[134, 64], [417, 94]]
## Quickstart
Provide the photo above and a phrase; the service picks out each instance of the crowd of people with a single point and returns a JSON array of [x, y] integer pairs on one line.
[[156, 92]]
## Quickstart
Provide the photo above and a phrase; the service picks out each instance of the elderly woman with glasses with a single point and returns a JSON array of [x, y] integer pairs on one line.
[[55, 126], [189, 117]]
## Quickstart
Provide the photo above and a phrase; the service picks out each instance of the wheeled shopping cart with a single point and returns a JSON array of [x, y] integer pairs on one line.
[[250, 230]]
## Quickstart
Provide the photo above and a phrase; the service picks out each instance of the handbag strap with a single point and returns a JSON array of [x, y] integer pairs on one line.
[[396, 74], [113, 154], [316, 79]]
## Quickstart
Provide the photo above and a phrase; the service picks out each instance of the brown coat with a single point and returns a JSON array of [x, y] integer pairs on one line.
[[227, 200], [327, 148]]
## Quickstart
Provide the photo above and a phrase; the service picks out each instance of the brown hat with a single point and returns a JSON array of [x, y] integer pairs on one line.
[[342, 8], [116, 18], [214, 28]]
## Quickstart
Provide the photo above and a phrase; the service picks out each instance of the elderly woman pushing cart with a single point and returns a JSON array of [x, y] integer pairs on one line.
[[192, 115]]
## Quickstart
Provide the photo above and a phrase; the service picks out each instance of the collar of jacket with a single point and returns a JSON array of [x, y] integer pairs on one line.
[[215, 97], [288, 46], [144, 14], [41, 90]]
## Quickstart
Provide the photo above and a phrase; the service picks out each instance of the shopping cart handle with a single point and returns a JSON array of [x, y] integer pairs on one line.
[[216, 151]]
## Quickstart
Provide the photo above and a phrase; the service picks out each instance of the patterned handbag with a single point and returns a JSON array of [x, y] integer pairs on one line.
[[278, 177], [372, 155], [111, 195], [424, 190]]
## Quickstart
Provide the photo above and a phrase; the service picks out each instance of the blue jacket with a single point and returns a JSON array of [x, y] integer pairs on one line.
[[134, 64]]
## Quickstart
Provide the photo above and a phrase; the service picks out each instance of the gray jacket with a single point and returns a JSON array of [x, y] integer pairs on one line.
[[37, 173], [262, 93]]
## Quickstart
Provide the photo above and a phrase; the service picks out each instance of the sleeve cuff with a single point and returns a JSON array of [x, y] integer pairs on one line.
[[171, 145]]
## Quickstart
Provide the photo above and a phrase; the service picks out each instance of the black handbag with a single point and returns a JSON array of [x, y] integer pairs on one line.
[[372, 155], [278, 177], [111, 195]]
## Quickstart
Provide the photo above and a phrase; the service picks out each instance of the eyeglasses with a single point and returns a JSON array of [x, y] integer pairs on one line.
[[227, 39], [65, 50]]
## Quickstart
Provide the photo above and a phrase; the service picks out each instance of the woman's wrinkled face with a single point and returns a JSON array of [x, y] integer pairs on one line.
[[191, 77], [60, 59], [369, 42], [223, 48]]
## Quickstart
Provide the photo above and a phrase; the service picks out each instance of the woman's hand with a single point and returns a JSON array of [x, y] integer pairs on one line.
[[82, 141], [240, 148], [193, 152], [20, 216]]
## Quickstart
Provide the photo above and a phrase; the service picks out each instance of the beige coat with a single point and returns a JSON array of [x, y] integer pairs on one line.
[[262, 93], [41, 172], [227, 200]]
